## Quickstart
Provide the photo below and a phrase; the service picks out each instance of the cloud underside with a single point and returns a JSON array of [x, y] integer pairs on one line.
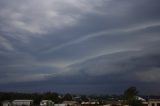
[[79, 45]]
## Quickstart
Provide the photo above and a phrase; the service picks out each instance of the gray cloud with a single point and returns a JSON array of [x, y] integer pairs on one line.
[[85, 44]]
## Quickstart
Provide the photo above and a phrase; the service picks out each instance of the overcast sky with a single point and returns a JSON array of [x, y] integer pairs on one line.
[[80, 46]]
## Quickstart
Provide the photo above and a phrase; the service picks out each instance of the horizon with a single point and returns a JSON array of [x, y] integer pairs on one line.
[[80, 46]]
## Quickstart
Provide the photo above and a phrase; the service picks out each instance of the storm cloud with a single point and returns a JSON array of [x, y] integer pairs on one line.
[[79, 46]]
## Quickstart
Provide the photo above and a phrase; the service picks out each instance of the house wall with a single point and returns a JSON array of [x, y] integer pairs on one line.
[[6, 104], [47, 103], [21, 103], [60, 105], [154, 103]]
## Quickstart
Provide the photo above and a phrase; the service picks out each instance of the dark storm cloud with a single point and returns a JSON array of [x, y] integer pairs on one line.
[[76, 45]]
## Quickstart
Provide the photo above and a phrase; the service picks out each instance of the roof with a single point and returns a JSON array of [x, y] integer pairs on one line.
[[59, 104], [89, 103], [113, 102], [140, 98], [45, 100], [154, 100], [22, 100], [107, 105]]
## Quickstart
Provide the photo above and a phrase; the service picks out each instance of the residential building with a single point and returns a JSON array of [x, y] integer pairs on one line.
[[71, 103], [90, 104], [60, 105], [154, 102], [22, 102], [6, 103], [46, 103]]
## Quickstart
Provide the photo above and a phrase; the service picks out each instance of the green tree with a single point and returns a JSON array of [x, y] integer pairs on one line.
[[130, 97], [51, 96], [130, 93], [84, 98], [67, 97]]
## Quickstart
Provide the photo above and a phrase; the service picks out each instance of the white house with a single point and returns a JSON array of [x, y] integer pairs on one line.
[[22, 102], [90, 103], [60, 105], [154, 102], [6, 103], [107, 105], [46, 103], [70, 103]]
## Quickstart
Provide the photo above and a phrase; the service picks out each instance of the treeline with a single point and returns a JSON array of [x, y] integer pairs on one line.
[[129, 97], [55, 97], [37, 97]]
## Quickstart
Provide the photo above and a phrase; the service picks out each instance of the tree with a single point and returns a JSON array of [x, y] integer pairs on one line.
[[130, 93], [130, 97], [51, 96], [36, 97], [84, 98], [67, 97]]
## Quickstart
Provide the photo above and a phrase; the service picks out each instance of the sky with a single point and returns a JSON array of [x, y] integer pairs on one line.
[[80, 46]]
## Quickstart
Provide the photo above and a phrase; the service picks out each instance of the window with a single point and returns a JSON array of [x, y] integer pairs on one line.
[[158, 104], [153, 104]]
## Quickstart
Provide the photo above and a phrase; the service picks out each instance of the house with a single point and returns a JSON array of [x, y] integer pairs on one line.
[[60, 105], [154, 102], [6, 103], [140, 98], [71, 103], [46, 103], [22, 102], [90, 104], [113, 102], [144, 102]]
